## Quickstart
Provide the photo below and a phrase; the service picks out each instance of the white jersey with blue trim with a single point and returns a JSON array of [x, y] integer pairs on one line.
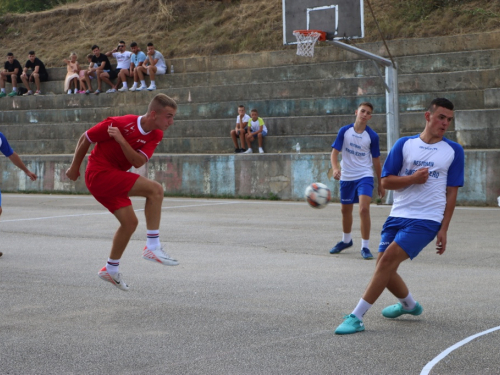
[[357, 152], [445, 160]]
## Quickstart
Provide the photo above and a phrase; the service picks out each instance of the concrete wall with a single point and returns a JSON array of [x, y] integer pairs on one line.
[[283, 175]]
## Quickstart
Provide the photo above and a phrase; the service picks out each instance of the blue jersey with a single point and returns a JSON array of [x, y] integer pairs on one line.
[[4, 146], [445, 160], [357, 152]]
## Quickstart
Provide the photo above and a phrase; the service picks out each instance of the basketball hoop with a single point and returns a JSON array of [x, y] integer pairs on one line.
[[306, 39]]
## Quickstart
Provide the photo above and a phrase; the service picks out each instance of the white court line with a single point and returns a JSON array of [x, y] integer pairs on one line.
[[428, 367], [107, 212]]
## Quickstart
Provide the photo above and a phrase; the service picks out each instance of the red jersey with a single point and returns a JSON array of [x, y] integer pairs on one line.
[[107, 153]]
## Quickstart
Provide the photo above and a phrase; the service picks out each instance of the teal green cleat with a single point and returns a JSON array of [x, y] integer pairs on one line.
[[350, 325], [396, 310]]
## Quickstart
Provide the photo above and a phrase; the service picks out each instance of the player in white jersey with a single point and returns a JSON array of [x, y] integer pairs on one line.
[[425, 172], [360, 149]]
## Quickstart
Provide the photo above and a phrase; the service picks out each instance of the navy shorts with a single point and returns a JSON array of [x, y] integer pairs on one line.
[[412, 235], [351, 190]]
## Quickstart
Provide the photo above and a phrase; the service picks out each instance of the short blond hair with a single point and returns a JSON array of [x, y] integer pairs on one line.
[[161, 101]]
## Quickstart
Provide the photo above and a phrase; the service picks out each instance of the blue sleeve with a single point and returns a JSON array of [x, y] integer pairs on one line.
[[339, 141], [374, 142], [394, 161], [457, 167], [4, 146]]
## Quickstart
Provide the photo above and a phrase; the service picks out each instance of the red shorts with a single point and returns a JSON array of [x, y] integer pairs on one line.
[[110, 187]]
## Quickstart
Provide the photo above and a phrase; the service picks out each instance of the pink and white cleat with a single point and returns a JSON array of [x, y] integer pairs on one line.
[[158, 255], [116, 281]]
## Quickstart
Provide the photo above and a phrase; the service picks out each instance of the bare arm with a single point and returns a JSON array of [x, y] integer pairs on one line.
[[334, 159], [451, 200], [16, 160], [378, 172], [135, 158], [393, 182], [82, 148]]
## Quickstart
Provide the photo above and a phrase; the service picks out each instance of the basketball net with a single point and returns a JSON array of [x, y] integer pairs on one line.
[[306, 39]]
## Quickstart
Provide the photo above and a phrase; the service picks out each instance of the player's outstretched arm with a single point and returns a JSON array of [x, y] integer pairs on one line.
[[16, 160], [82, 147]]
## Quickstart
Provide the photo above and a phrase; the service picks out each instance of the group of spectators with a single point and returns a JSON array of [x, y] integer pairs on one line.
[[134, 64]]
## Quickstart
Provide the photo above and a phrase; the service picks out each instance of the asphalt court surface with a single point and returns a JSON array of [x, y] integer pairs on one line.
[[256, 292]]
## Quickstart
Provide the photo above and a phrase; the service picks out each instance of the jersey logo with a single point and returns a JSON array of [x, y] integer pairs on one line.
[[141, 141]]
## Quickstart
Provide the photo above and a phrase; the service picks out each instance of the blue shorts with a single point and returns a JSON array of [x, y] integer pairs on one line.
[[351, 190], [263, 132], [412, 235]]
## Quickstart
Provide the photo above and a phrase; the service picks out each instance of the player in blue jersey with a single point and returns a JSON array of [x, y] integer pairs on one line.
[[14, 158], [425, 172], [360, 149]]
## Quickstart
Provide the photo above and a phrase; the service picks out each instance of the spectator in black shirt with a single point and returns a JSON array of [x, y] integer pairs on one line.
[[103, 65], [11, 73], [38, 73]]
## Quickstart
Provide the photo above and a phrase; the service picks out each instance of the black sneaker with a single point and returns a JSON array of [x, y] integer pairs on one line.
[[242, 150], [237, 150]]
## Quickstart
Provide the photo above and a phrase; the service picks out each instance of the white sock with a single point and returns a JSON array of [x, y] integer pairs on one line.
[[75, 91], [3, 90], [153, 239], [112, 266], [14, 89], [361, 309], [408, 303], [346, 237], [365, 243], [153, 83], [69, 91], [135, 84], [143, 83], [125, 85]]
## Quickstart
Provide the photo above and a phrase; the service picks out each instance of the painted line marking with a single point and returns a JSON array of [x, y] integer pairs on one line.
[[428, 367], [107, 212]]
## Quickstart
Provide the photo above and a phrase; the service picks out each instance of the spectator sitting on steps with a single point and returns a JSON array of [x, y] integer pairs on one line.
[[240, 130], [153, 66], [72, 74], [137, 59], [256, 128], [11, 73], [38, 73], [122, 70]]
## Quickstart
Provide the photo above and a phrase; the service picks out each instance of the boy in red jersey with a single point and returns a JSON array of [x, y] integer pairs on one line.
[[123, 142]]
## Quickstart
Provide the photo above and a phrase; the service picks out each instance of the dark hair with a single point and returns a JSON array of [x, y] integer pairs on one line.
[[10, 54], [241, 106], [31, 52], [440, 102], [366, 104], [254, 110], [150, 44], [133, 44], [94, 47], [89, 56], [121, 41]]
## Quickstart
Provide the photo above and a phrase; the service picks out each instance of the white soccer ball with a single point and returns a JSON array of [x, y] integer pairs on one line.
[[318, 195]]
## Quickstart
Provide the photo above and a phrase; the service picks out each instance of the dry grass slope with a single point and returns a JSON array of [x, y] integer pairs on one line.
[[183, 28]]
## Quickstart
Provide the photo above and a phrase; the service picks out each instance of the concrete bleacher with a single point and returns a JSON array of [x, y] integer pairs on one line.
[[302, 101]]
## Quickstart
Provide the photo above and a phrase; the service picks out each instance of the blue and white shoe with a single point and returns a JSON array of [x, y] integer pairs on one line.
[[351, 324], [340, 246], [396, 310], [365, 253]]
